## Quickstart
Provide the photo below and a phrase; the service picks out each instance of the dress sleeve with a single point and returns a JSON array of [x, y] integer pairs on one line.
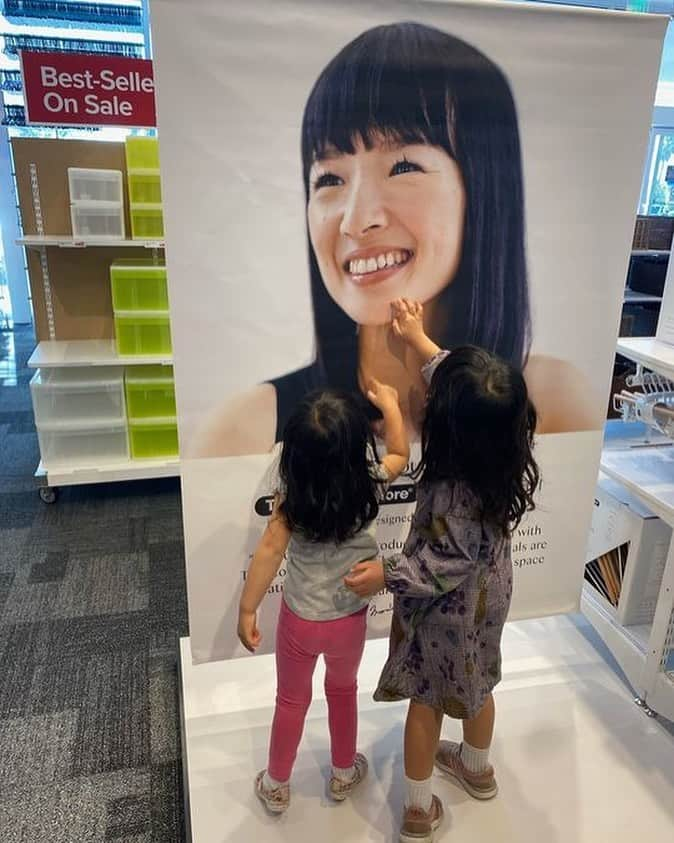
[[447, 551], [429, 368]]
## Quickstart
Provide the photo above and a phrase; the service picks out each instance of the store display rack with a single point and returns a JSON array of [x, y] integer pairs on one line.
[[646, 468], [70, 452]]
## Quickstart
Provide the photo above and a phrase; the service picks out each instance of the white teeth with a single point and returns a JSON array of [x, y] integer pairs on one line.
[[363, 266]]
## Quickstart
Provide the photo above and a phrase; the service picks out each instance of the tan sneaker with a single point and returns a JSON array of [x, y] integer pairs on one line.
[[420, 826], [478, 785], [276, 799], [340, 789]]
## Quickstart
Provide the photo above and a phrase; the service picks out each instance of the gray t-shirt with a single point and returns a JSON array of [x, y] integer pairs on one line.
[[314, 584]]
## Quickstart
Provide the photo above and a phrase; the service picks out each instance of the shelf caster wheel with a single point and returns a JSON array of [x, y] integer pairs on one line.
[[643, 705], [48, 494]]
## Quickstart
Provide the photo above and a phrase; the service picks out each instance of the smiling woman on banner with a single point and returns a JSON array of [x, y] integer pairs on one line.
[[413, 182]]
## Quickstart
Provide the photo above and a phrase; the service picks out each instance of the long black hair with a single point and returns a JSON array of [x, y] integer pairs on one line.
[[411, 83], [329, 492], [478, 430]]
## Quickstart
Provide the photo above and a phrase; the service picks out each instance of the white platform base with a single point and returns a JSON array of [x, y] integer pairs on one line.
[[576, 759]]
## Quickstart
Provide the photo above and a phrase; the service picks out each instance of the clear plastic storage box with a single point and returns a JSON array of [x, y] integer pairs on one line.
[[97, 219], [95, 185], [83, 396], [67, 444]]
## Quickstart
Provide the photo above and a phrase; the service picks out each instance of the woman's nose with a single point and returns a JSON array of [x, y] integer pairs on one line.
[[364, 211]]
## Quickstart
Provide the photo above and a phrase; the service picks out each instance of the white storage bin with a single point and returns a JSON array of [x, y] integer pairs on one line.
[[84, 395], [95, 185], [71, 445], [97, 219], [620, 518]]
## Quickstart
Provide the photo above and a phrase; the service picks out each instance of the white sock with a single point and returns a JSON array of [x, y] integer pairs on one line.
[[344, 774], [271, 784], [418, 794], [475, 760]]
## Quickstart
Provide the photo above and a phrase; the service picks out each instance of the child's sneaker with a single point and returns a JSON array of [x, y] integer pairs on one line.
[[478, 785], [340, 789], [420, 826], [277, 799]]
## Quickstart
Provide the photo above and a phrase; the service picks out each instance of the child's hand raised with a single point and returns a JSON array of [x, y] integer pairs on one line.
[[383, 397], [249, 634], [366, 578], [408, 321]]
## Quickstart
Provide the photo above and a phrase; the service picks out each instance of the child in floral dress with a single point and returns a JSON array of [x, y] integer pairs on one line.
[[453, 581]]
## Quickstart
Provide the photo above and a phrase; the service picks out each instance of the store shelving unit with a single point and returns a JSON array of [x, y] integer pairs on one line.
[[41, 173], [646, 468]]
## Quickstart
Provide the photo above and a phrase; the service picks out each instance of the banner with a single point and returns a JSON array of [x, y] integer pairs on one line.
[[492, 152], [80, 89]]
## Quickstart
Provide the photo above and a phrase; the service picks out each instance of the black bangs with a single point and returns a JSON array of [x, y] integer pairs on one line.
[[377, 89]]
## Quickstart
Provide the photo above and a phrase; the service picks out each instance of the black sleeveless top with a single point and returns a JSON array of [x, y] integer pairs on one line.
[[293, 387]]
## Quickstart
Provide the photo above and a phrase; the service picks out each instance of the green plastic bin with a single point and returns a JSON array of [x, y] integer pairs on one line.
[[153, 439], [139, 333], [142, 153], [147, 223], [150, 392], [138, 285], [144, 188]]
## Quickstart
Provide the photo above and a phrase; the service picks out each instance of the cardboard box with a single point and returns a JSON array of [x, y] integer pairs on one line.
[[618, 518]]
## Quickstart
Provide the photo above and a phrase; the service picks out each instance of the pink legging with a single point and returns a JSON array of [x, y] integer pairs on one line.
[[298, 645]]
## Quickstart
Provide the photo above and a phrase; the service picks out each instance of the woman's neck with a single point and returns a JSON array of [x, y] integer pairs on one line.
[[383, 356]]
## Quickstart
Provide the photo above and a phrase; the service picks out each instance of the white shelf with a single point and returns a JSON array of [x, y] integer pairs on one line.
[[650, 352], [112, 472], [648, 472], [651, 253], [632, 297], [63, 353], [66, 241], [629, 645]]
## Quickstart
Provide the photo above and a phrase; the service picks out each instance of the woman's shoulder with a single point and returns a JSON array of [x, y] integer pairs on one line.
[[243, 424], [562, 395]]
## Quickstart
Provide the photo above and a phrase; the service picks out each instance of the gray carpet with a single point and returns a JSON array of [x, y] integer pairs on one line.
[[92, 600]]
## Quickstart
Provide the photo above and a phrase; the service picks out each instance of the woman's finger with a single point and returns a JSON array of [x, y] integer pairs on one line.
[[396, 327]]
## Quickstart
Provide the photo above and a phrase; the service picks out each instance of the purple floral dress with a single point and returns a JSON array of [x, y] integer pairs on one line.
[[452, 586]]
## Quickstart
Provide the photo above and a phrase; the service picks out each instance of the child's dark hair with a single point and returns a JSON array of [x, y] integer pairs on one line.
[[479, 430], [329, 493]]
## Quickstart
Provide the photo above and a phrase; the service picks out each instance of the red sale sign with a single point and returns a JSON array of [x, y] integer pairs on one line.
[[79, 89]]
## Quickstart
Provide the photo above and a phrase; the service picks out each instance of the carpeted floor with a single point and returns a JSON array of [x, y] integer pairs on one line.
[[92, 600]]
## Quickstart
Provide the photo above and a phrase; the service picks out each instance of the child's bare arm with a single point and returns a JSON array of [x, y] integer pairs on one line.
[[385, 398], [408, 325], [262, 570]]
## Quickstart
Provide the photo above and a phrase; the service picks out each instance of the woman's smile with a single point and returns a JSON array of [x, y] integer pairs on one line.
[[376, 264]]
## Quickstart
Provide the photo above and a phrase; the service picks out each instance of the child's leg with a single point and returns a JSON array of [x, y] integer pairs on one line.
[[343, 654], [478, 732], [294, 668], [422, 733]]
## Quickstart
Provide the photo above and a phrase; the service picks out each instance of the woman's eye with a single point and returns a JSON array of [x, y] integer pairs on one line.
[[405, 166], [326, 180]]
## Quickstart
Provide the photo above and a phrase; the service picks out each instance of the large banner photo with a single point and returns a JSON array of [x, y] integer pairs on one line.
[[321, 160]]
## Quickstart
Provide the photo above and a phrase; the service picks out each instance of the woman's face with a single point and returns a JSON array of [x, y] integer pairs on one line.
[[386, 223]]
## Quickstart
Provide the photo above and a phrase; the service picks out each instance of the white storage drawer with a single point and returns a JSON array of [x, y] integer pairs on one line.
[[69, 445], [97, 219], [85, 396], [96, 185]]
